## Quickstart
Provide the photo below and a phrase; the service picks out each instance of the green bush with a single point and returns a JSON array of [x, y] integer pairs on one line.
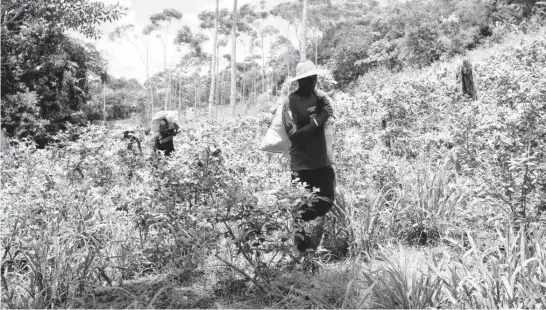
[[21, 117], [417, 33], [93, 112]]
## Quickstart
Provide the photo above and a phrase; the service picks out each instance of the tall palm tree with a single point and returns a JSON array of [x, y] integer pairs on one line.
[[233, 96]]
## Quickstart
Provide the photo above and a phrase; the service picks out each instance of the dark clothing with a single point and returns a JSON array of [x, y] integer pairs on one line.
[[165, 139], [324, 179], [165, 143], [305, 129], [309, 226], [304, 119], [133, 139]]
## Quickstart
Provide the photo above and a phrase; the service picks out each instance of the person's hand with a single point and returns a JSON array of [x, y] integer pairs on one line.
[[331, 121], [315, 122], [329, 109]]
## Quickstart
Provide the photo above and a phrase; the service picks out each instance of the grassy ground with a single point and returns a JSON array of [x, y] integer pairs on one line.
[[341, 284]]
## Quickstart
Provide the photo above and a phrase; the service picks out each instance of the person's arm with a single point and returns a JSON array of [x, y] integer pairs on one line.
[[176, 129], [156, 142], [326, 109], [295, 134], [139, 146]]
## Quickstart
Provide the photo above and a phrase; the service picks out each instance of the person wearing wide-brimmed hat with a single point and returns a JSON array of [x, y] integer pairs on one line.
[[304, 119]]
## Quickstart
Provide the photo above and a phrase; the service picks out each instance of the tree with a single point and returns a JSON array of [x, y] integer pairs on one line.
[[233, 52], [303, 48], [214, 60], [266, 32], [253, 20], [282, 51], [162, 21], [289, 11], [128, 32], [118, 97], [226, 26], [221, 43], [79, 15], [42, 64], [219, 22], [321, 16], [194, 60], [185, 36]]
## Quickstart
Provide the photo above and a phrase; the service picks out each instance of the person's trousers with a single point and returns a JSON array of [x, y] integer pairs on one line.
[[325, 180]]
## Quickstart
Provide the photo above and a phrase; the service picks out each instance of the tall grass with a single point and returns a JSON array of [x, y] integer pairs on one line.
[[508, 274]]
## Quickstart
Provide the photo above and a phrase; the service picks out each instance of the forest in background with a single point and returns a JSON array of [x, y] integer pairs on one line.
[[67, 79]]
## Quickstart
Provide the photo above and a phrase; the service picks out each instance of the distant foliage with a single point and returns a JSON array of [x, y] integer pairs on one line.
[[121, 98], [38, 57], [415, 34]]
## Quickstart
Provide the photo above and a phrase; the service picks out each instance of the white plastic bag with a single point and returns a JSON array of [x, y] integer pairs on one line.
[[171, 116], [275, 139]]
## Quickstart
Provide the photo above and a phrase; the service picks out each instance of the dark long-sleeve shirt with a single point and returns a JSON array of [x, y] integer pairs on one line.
[[164, 142], [304, 120]]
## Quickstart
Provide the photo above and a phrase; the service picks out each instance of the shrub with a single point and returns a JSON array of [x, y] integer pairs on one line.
[[21, 117], [93, 112]]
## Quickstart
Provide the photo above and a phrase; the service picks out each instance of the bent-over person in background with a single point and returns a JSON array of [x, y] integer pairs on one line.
[[164, 140]]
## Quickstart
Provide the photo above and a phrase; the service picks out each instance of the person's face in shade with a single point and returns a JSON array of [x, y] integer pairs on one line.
[[309, 82]]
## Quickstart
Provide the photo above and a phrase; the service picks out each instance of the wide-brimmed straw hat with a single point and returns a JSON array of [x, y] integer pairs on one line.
[[305, 69]]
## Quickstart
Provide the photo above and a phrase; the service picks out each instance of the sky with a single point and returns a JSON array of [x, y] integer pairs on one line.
[[123, 57]]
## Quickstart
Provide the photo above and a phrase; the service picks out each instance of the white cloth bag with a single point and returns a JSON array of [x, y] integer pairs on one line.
[[171, 116], [276, 139]]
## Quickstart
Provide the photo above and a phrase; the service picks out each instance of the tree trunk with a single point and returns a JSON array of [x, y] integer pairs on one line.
[[274, 82], [233, 54], [253, 75], [316, 49], [179, 94], [165, 70], [243, 102], [303, 50], [165, 57], [288, 71], [103, 97], [263, 66], [149, 84], [195, 96], [243, 92], [252, 81], [213, 63], [217, 77], [152, 99], [223, 93], [167, 91], [198, 94], [467, 77], [220, 89]]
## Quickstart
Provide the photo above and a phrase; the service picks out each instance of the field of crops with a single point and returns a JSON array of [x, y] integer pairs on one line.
[[445, 206]]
